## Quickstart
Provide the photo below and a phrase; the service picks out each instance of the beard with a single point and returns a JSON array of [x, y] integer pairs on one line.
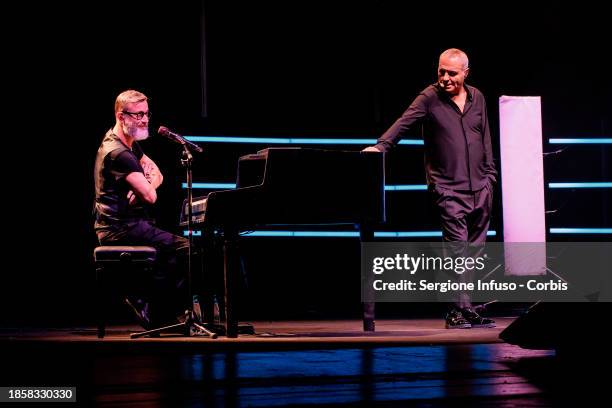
[[138, 133]]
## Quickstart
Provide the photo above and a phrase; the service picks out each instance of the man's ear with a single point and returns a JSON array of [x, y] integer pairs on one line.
[[467, 72]]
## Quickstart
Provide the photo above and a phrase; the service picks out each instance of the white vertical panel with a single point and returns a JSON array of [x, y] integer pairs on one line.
[[522, 175]]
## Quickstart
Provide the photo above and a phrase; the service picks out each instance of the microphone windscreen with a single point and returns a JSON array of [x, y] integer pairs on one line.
[[164, 131]]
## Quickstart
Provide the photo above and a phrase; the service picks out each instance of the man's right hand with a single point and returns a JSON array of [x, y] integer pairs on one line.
[[371, 149], [141, 188]]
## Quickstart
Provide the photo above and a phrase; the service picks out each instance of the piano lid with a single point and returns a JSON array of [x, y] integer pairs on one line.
[[290, 186]]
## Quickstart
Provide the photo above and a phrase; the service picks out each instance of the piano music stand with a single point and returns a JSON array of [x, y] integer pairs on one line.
[[192, 326]]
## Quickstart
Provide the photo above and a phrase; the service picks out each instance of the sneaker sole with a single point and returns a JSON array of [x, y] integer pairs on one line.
[[483, 326], [460, 326]]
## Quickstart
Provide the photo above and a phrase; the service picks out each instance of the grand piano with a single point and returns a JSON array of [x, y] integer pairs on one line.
[[290, 187]]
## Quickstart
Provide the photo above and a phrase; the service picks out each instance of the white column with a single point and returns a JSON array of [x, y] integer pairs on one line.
[[522, 176]]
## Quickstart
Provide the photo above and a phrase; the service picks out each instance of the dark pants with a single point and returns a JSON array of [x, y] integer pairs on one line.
[[464, 215], [166, 292], [465, 219]]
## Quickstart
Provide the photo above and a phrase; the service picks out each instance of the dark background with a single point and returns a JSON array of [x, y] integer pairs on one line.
[[298, 69]]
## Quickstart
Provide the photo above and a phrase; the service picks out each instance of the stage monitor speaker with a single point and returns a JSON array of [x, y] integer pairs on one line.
[[560, 326]]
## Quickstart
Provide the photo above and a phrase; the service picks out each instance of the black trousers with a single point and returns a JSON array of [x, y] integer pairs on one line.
[[166, 292], [465, 218]]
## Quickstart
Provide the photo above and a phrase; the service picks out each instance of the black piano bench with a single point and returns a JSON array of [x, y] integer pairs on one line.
[[114, 264]]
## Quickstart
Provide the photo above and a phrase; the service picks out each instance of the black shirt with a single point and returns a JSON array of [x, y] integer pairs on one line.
[[458, 152], [114, 162]]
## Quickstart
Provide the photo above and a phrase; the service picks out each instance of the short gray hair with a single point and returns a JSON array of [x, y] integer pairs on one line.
[[457, 53], [129, 96]]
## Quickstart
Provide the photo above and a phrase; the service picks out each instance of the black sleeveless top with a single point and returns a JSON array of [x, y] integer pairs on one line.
[[114, 162]]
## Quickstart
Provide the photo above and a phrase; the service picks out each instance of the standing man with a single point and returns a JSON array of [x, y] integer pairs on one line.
[[458, 161], [126, 182]]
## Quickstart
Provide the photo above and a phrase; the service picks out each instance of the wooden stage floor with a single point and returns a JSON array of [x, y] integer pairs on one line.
[[278, 333], [297, 363]]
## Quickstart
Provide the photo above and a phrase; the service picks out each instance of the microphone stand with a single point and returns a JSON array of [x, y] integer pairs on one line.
[[192, 325]]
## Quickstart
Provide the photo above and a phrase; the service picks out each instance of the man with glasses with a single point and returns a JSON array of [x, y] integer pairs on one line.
[[458, 161], [126, 181]]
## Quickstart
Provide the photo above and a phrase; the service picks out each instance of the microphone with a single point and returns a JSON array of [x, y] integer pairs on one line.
[[175, 137]]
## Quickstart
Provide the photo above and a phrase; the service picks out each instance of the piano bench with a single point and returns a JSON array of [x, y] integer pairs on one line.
[[115, 263]]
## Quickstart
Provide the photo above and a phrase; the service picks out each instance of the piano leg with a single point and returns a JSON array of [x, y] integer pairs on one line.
[[366, 234], [231, 271], [368, 317]]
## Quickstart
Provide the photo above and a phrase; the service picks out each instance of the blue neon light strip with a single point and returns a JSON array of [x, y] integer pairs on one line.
[[600, 140], [406, 187], [407, 234], [581, 230], [333, 141], [213, 186], [416, 234], [605, 184], [292, 140], [324, 234], [415, 187], [398, 187], [414, 142], [398, 234], [342, 234], [270, 234]]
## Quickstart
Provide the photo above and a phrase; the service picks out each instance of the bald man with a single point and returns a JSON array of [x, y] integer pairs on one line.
[[458, 160]]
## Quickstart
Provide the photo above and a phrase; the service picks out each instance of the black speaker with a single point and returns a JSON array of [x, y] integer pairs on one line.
[[560, 326]]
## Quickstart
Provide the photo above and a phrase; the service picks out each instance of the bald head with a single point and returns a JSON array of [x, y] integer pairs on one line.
[[458, 55], [453, 68]]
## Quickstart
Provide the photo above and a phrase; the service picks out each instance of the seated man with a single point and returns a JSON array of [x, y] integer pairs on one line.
[[126, 180]]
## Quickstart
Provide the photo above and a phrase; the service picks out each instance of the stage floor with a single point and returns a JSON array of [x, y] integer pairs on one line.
[[297, 363], [288, 333]]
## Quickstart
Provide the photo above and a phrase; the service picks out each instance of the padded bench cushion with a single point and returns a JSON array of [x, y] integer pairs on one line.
[[125, 253]]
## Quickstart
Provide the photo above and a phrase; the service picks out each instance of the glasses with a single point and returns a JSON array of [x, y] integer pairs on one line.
[[138, 115]]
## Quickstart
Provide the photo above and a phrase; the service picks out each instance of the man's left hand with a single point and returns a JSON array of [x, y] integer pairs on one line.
[[132, 198]]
